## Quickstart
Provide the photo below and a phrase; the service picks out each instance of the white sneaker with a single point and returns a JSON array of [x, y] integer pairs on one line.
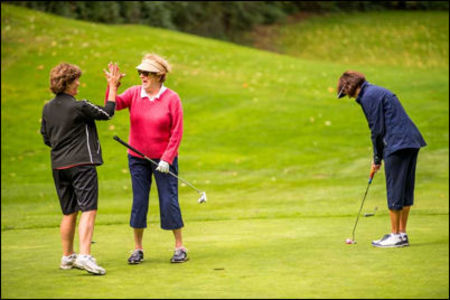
[[377, 241], [68, 261], [88, 263], [389, 241], [405, 240]]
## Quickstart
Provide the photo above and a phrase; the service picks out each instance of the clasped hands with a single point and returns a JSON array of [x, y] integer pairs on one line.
[[113, 75]]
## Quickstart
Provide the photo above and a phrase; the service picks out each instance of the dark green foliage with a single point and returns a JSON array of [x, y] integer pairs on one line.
[[66, 10], [101, 11], [218, 19], [327, 6], [130, 11], [156, 14]]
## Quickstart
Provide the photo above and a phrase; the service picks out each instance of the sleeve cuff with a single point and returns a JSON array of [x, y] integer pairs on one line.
[[377, 160], [167, 159]]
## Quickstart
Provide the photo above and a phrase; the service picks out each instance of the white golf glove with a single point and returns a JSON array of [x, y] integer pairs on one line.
[[163, 167]]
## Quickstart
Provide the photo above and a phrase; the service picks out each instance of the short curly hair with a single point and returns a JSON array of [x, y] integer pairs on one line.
[[62, 76], [349, 82]]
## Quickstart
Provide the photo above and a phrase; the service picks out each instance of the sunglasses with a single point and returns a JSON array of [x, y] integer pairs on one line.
[[146, 73]]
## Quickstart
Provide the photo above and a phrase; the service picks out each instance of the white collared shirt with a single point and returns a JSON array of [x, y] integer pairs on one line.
[[161, 90]]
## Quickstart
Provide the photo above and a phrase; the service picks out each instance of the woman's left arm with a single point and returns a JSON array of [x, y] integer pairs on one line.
[[176, 130]]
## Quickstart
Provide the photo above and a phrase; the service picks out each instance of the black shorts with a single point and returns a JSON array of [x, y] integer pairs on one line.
[[400, 170], [77, 188]]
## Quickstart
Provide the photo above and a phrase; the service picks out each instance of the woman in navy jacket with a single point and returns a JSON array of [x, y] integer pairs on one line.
[[396, 140]]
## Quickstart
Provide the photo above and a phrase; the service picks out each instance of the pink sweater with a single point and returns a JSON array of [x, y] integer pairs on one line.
[[156, 126]]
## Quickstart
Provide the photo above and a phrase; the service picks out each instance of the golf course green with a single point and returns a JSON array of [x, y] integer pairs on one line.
[[284, 163]]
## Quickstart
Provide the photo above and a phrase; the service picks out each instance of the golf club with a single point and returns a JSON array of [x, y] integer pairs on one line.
[[352, 241], [202, 198]]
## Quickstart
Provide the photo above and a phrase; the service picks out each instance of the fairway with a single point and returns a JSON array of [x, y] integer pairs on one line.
[[284, 164]]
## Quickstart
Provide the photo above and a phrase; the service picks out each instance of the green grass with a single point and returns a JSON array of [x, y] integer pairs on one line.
[[389, 38], [294, 264], [284, 165]]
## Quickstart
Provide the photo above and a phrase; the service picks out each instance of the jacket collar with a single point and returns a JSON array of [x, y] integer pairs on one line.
[[65, 96], [361, 91]]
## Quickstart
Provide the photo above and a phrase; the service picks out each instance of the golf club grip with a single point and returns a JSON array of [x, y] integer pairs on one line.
[[371, 175], [128, 146]]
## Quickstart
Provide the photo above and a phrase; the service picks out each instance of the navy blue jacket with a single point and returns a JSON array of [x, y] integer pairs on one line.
[[389, 124]]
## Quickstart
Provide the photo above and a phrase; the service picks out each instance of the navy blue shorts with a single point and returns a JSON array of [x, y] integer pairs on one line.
[[400, 170], [77, 188], [141, 171]]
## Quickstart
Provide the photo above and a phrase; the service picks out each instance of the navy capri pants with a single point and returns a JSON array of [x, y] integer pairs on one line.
[[400, 170], [141, 171]]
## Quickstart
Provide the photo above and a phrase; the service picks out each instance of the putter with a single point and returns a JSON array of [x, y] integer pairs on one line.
[[202, 198], [352, 241]]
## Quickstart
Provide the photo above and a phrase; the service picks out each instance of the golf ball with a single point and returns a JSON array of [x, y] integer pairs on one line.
[[348, 241]]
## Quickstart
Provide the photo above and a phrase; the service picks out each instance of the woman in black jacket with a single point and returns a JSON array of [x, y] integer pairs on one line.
[[68, 128]]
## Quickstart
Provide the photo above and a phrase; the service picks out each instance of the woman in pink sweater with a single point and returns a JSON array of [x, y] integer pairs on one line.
[[156, 129]]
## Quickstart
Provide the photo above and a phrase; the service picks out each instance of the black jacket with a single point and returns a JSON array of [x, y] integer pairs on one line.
[[68, 127], [391, 127]]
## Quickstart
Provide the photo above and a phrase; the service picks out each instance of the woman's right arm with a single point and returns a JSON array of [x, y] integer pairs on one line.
[[97, 112], [374, 109], [123, 100], [113, 78]]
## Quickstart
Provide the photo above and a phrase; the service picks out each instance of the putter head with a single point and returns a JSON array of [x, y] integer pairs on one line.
[[350, 241], [371, 214], [202, 198]]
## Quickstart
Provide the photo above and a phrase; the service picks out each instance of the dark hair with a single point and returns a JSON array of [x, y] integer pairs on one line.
[[62, 76], [349, 82]]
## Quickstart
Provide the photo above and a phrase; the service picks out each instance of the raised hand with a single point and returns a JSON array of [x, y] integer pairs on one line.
[[113, 75]]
